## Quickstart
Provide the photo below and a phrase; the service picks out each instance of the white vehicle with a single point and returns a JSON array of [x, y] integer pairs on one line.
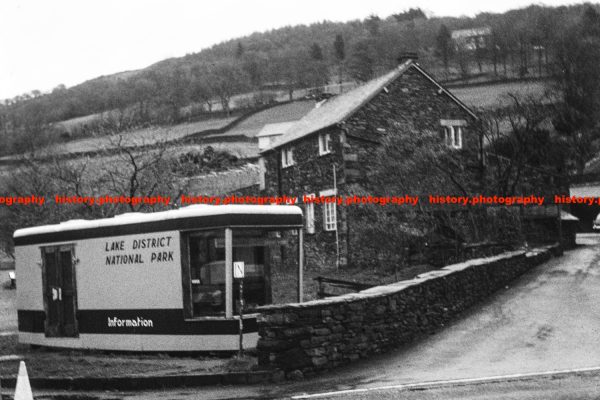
[[596, 226]]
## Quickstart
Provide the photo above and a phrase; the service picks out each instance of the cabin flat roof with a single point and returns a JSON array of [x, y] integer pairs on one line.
[[183, 218]]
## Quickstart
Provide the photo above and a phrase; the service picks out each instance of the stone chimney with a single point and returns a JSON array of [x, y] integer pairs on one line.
[[407, 55]]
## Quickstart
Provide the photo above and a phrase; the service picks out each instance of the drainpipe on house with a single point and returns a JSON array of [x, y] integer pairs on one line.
[[337, 237]]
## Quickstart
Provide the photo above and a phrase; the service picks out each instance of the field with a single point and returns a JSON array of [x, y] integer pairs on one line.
[[141, 137], [483, 96], [495, 96], [220, 183]]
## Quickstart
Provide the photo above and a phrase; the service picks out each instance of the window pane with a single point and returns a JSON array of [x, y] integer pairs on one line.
[[281, 266], [270, 267], [207, 270], [310, 217], [329, 216], [249, 246]]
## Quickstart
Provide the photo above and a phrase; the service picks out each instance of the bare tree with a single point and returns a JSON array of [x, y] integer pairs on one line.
[[132, 171], [522, 151], [140, 173]]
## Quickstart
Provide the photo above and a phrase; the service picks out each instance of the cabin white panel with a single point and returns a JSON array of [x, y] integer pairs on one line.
[[28, 273], [106, 281], [143, 342], [151, 281]]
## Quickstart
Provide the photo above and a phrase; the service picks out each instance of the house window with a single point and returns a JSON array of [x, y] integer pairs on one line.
[[453, 130], [329, 211], [287, 157], [329, 217], [453, 136], [310, 215], [324, 143]]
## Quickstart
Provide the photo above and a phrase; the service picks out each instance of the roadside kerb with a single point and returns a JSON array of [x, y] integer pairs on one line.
[[150, 382], [455, 382]]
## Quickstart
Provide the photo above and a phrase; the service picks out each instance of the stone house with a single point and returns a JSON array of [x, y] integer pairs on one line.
[[471, 39], [333, 145]]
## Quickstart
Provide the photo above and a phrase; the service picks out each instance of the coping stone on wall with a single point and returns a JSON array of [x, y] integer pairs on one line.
[[385, 290]]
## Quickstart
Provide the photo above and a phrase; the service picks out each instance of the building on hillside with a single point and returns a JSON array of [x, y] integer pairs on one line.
[[471, 39], [270, 133], [333, 146]]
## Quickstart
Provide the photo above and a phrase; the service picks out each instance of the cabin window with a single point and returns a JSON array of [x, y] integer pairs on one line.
[[207, 273], [256, 248], [270, 258], [453, 132], [310, 215], [324, 143], [287, 157], [251, 247]]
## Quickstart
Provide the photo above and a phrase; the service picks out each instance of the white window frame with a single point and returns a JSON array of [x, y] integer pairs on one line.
[[453, 132], [310, 214], [325, 144], [262, 172], [329, 211], [287, 156], [453, 136]]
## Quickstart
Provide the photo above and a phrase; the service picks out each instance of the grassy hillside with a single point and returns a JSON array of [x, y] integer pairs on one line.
[[477, 96], [283, 61]]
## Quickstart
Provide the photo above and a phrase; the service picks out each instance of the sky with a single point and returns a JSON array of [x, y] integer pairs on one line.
[[44, 43]]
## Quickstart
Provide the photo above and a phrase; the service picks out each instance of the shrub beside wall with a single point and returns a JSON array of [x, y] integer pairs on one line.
[[303, 338]]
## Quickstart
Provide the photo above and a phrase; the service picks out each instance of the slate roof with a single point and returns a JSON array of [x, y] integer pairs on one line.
[[275, 129], [338, 108], [287, 112]]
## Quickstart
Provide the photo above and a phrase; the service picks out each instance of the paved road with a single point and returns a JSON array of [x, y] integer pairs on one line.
[[547, 320], [571, 386]]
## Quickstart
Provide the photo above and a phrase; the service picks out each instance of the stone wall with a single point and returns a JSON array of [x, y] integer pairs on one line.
[[304, 338]]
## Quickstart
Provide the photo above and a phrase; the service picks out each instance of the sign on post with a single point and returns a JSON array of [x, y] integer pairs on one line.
[[238, 273], [238, 269]]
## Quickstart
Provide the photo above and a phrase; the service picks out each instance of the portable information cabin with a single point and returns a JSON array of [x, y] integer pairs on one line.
[[156, 281]]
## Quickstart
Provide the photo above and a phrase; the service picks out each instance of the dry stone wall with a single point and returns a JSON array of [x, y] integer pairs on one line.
[[304, 338]]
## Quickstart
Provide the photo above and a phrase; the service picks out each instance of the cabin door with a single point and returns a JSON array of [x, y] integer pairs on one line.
[[60, 295]]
